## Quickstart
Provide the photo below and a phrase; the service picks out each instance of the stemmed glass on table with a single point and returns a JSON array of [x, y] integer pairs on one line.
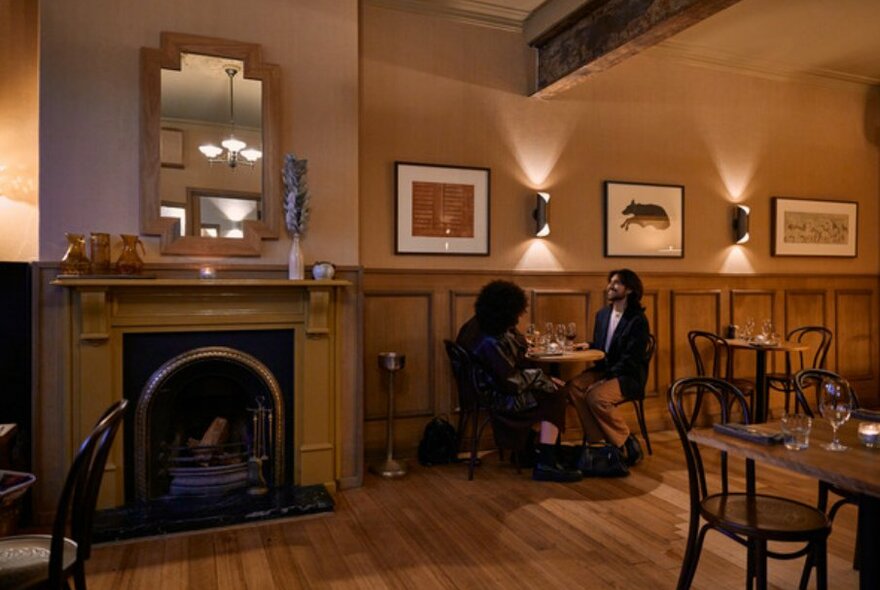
[[835, 404], [532, 335], [560, 335], [570, 335]]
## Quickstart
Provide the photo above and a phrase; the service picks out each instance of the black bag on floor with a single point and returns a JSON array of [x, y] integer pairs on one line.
[[439, 444], [602, 460]]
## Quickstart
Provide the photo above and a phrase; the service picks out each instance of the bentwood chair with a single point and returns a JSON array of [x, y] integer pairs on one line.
[[47, 561], [748, 518], [639, 402], [469, 402], [714, 358], [810, 379], [819, 339]]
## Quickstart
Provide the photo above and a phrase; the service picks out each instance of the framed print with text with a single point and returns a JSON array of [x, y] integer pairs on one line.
[[441, 209]]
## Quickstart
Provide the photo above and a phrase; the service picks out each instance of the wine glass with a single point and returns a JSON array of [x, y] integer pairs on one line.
[[560, 335], [767, 330], [531, 335], [570, 335], [835, 403], [748, 329]]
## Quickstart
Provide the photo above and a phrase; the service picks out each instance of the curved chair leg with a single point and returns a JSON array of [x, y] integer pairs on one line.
[[640, 415], [691, 555]]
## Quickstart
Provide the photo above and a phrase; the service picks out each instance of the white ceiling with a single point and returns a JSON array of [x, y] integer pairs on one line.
[[830, 39]]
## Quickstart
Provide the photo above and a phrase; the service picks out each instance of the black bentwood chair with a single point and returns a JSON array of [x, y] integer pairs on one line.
[[47, 561], [714, 358], [803, 382], [639, 402], [469, 404], [750, 519], [816, 336]]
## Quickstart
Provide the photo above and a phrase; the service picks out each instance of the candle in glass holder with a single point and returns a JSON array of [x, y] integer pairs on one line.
[[207, 272], [869, 434]]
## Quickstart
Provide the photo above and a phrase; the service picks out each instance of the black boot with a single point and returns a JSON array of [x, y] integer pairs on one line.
[[632, 450], [548, 467]]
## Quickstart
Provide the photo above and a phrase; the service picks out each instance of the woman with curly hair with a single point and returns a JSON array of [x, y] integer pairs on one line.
[[520, 394]]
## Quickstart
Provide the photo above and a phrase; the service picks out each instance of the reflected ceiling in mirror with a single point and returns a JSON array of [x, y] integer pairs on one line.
[[199, 92]]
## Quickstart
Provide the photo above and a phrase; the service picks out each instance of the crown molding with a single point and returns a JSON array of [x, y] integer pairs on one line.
[[774, 70], [473, 12]]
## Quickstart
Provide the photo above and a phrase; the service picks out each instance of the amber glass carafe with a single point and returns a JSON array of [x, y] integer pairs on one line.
[[75, 261], [129, 262]]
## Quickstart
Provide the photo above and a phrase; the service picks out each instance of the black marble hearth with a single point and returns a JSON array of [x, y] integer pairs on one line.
[[173, 515]]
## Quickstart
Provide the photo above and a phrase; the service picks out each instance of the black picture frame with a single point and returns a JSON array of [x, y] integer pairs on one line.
[[643, 220], [441, 209]]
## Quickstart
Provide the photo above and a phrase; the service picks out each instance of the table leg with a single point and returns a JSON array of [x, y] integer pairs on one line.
[[760, 414], [869, 542]]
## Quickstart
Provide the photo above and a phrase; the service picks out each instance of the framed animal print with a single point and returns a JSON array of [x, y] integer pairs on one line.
[[813, 227], [644, 220]]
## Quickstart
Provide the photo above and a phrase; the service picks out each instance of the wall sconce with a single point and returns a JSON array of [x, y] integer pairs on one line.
[[542, 225], [741, 224]]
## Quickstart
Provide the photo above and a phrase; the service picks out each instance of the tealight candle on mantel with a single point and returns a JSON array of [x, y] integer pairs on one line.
[[207, 272], [869, 434]]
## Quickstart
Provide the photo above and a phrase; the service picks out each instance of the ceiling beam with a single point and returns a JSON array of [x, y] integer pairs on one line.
[[603, 33]]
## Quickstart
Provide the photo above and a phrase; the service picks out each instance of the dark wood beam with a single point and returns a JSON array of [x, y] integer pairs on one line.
[[605, 32]]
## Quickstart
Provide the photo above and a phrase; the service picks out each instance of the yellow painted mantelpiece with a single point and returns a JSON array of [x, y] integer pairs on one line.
[[104, 310]]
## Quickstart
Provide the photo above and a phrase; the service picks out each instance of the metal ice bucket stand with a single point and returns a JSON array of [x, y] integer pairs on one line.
[[390, 467]]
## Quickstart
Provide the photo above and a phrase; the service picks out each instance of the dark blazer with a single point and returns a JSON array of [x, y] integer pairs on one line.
[[625, 358]]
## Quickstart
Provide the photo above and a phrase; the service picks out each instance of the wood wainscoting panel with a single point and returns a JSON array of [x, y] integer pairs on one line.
[[675, 303], [855, 318], [560, 307], [691, 310], [398, 322]]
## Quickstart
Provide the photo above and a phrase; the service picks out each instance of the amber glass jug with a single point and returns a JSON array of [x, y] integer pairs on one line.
[[129, 262], [75, 261]]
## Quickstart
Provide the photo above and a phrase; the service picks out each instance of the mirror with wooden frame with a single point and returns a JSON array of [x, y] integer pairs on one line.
[[210, 161]]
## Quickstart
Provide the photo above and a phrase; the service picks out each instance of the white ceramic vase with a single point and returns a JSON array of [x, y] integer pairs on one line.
[[295, 269]]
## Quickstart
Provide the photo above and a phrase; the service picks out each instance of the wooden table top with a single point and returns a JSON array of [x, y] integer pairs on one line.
[[781, 346], [577, 356], [857, 468]]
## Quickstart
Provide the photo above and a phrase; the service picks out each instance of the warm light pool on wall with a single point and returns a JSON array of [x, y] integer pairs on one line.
[[741, 224], [541, 215], [237, 151]]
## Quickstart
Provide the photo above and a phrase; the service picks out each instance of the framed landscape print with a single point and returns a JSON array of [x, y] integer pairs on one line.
[[809, 227], [644, 220], [441, 209]]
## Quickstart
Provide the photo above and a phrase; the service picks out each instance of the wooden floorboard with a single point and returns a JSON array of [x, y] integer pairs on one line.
[[435, 529]]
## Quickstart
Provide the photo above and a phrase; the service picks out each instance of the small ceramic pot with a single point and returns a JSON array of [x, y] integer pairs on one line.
[[323, 270]]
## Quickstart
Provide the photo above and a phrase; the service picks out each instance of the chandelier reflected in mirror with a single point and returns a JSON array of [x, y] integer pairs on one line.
[[234, 152]]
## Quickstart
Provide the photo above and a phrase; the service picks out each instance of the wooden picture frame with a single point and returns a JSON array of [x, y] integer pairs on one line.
[[814, 227], [171, 148], [643, 220], [441, 209]]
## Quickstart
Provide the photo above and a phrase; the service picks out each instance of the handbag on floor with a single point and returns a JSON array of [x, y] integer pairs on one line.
[[439, 444], [602, 460]]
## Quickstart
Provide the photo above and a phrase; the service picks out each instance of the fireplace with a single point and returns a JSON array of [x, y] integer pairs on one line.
[[202, 350], [209, 420]]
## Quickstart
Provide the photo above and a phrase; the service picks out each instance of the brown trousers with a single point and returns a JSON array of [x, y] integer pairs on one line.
[[596, 401]]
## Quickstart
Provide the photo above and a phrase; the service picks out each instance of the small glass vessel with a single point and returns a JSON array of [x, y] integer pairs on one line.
[[130, 263], [75, 261], [100, 250]]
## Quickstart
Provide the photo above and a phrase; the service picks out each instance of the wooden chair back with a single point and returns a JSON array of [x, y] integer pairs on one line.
[[79, 496], [686, 394], [810, 379]]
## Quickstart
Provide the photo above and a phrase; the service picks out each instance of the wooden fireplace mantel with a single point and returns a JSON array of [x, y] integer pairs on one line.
[[105, 309]]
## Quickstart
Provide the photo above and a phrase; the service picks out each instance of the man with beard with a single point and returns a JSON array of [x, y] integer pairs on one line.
[[621, 332]]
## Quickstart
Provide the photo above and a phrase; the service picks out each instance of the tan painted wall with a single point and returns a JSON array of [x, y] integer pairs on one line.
[[89, 109], [446, 93], [18, 130]]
